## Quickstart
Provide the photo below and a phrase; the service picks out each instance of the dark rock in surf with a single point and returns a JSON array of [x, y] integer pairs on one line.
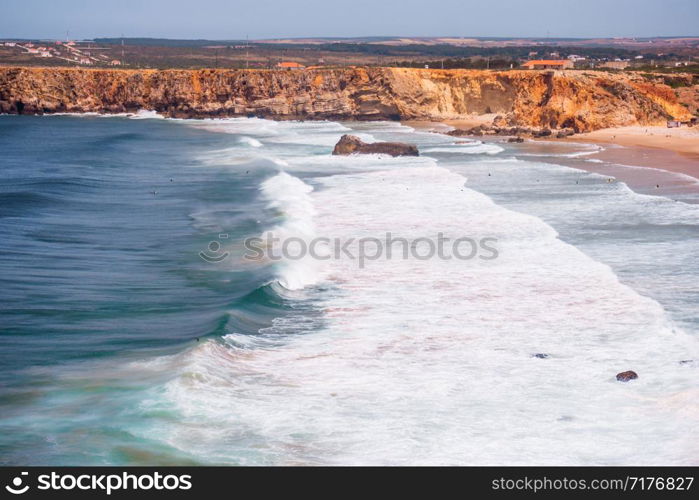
[[351, 144], [517, 132], [461, 132], [626, 376], [565, 132], [515, 139]]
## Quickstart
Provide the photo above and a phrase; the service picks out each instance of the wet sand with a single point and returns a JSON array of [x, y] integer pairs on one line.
[[645, 170], [683, 140], [649, 157], [649, 164], [651, 160]]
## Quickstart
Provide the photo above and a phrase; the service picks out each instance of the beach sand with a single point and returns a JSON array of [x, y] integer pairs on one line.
[[645, 170], [466, 122], [683, 140], [645, 158], [662, 152], [471, 121]]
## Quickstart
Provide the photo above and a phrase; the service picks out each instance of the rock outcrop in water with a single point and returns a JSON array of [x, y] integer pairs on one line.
[[351, 144], [576, 100], [626, 376], [511, 131]]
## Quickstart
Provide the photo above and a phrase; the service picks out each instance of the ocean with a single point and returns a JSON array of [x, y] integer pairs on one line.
[[135, 329]]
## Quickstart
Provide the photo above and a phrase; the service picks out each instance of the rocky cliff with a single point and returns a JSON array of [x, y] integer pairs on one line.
[[582, 101]]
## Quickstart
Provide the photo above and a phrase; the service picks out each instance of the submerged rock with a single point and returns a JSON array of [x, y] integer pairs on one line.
[[626, 376], [515, 139], [351, 144]]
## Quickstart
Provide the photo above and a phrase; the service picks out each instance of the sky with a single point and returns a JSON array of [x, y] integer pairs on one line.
[[257, 19]]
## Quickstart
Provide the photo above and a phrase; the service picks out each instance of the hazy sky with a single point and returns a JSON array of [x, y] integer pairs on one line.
[[234, 19]]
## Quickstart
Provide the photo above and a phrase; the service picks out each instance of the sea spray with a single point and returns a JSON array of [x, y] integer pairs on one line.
[[290, 202], [432, 362]]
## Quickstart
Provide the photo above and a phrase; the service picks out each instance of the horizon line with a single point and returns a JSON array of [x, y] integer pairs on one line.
[[386, 37]]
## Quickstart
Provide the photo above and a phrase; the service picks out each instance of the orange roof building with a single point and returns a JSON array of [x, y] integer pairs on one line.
[[548, 64], [290, 65]]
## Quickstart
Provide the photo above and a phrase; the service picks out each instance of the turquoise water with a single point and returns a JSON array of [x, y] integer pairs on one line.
[[102, 220], [120, 344]]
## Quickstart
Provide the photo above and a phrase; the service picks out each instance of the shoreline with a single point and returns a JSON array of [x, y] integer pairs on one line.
[[650, 160], [683, 140], [668, 166], [652, 171]]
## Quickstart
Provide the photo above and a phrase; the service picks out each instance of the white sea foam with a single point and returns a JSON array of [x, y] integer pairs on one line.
[[679, 175], [141, 114], [578, 154], [410, 361], [250, 141], [431, 361], [145, 114], [282, 133], [289, 198], [467, 148], [85, 114], [580, 150], [241, 126]]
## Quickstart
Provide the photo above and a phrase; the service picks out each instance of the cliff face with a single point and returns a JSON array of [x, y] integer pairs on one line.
[[580, 100]]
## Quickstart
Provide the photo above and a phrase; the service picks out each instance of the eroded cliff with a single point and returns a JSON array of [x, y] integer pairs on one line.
[[582, 101]]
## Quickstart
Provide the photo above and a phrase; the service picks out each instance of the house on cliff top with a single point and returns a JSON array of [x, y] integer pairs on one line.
[[290, 65], [548, 64]]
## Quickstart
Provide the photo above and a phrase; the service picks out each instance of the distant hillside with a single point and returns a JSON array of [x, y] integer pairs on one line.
[[165, 42]]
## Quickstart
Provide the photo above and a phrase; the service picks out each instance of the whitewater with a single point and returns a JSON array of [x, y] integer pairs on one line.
[[440, 361], [503, 361]]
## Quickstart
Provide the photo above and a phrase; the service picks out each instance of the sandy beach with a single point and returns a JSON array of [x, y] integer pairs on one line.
[[648, 159], [683, 140], [646, 170], [471, 121], [466, 122], [640, 146], [657, 149]]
